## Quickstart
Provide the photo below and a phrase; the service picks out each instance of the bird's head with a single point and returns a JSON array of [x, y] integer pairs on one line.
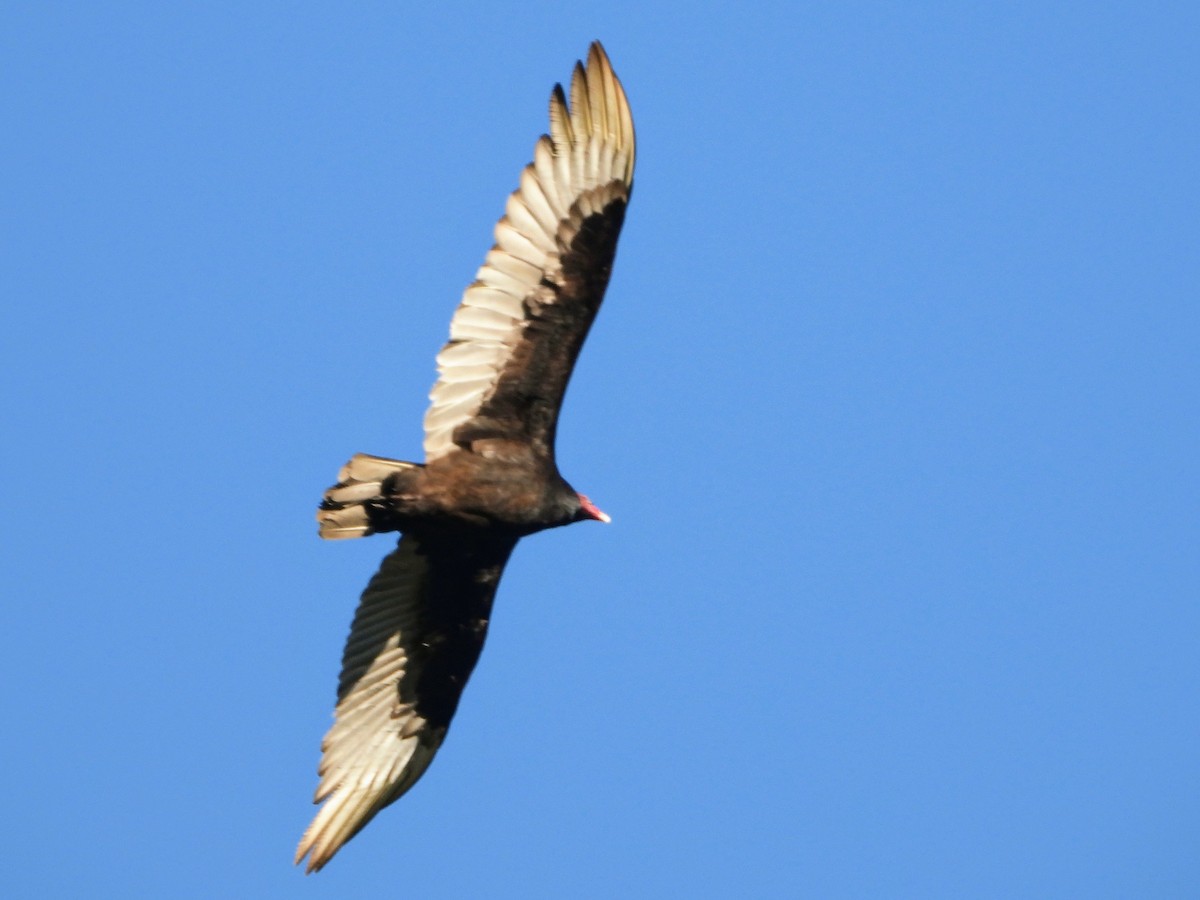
[[589, 510]]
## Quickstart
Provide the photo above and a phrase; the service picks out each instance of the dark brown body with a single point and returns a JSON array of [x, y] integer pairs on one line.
[[514, 492]]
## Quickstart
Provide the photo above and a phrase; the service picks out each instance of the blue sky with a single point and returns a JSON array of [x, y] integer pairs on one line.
[[893, 402]]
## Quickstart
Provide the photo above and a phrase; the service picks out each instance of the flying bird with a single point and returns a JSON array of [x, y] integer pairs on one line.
[[489, 476]]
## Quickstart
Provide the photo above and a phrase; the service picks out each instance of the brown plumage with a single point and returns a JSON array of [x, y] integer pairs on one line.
[[489, 476]]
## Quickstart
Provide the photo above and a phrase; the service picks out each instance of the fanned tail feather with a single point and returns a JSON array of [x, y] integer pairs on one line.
[[345, 510]]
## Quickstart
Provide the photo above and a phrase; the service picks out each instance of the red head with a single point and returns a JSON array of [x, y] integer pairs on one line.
[[588, 510]]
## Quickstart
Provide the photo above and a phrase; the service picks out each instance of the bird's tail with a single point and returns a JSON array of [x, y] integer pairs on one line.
[[352, 507]]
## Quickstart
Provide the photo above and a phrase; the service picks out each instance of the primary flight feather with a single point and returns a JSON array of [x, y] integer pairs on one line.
[[489, 476]]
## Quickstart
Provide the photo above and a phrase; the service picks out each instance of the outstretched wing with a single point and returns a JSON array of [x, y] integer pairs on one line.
[[416, 636], [519, 328]]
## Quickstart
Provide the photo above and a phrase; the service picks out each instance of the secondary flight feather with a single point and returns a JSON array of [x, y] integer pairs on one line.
[[489, 476]]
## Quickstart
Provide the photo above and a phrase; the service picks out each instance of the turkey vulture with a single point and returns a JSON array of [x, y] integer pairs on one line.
[[489, 476]]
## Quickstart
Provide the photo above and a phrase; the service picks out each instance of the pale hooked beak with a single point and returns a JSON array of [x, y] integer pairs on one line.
[[593, 511]]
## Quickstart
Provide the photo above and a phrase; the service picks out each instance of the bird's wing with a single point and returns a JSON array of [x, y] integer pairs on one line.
[[515, 336], [416, 636]]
